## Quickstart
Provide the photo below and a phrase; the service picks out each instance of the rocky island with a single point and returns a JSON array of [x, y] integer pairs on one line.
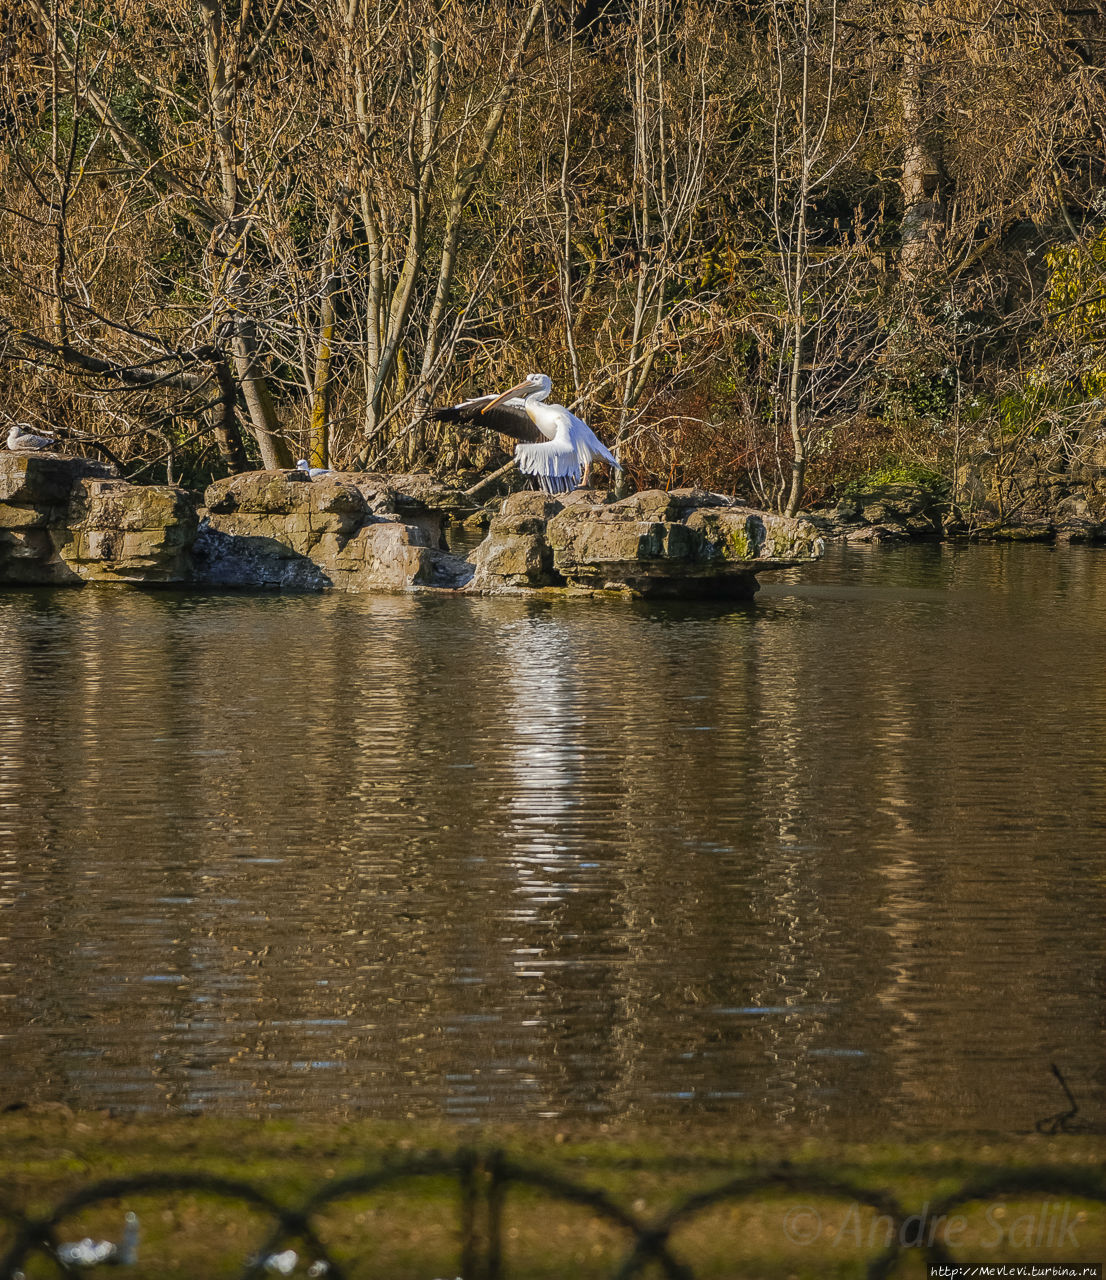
[[70, 521]]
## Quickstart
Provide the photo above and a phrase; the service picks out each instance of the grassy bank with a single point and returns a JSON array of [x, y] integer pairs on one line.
[[413, 1229]]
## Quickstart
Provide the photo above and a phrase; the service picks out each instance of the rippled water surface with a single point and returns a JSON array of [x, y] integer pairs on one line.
[[832, 859]]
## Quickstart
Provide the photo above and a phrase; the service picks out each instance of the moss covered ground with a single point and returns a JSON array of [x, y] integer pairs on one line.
[[412, 1230]]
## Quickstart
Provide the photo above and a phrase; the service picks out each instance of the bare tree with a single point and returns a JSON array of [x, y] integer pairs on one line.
[[680, 161], [90, 352], [424, 92], [923, 177], [219, 200], [830, 330], [735, 235]]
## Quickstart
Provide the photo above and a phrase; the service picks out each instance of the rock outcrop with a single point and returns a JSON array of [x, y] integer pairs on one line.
[[1036, 490], [120, 532], [516, 552], [683, 542], [885, 513], [66, 520], [1026, 490], [71, 520], [283, 529]]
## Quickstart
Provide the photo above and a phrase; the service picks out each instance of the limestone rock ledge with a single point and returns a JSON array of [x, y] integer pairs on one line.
[[283, 529], [72, 520], [685, 542]]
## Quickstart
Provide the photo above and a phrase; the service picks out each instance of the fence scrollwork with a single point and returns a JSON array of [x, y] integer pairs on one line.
[[484, 1180]]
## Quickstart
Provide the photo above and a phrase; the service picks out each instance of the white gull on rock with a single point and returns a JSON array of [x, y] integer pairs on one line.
[[21, 439]]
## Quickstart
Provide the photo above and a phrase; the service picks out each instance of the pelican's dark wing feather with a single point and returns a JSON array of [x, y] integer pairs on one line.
[[509, 418]]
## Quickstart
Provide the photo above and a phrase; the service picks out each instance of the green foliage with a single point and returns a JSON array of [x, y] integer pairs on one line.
[[39, 137], [174, 264], [1070, 373], [1076, 311], [1026, 408], [921, 396], [135, 106], [897, 471], [1035, 406], [1077, 286]]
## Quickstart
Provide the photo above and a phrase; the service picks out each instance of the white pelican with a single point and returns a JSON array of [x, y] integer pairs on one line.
[[304, 465], [557, 448], [22, 440]]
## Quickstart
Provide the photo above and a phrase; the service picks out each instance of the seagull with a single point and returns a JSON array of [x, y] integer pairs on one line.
[[304, 465], [92, 1253], [556, 447], [283, 1264], [21, 439]]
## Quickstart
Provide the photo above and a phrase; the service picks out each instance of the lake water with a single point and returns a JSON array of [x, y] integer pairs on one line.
[[831, 860]]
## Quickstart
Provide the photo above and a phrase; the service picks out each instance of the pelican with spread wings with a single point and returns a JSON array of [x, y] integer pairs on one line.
[[555, 446]]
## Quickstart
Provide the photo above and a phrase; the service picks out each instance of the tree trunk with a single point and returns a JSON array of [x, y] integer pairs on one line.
[[228, 440], [319, 447], [275, 455], [923, 219], [319, 444], [259, 402], [800, 267], [798, 435]]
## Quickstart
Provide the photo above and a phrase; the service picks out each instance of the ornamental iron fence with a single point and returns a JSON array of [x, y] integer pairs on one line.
[[295, 1244]]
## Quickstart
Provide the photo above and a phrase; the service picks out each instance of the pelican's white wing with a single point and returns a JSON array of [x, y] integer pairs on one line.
[[555, 463], [589, 448], [559, 463]]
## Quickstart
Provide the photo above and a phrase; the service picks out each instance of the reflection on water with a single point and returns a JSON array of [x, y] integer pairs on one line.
[[832, 859]]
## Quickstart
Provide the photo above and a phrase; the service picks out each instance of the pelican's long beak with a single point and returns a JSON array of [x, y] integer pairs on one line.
[[522, 386]]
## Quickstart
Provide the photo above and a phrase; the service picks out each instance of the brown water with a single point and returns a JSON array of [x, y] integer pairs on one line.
[[832, 859]]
